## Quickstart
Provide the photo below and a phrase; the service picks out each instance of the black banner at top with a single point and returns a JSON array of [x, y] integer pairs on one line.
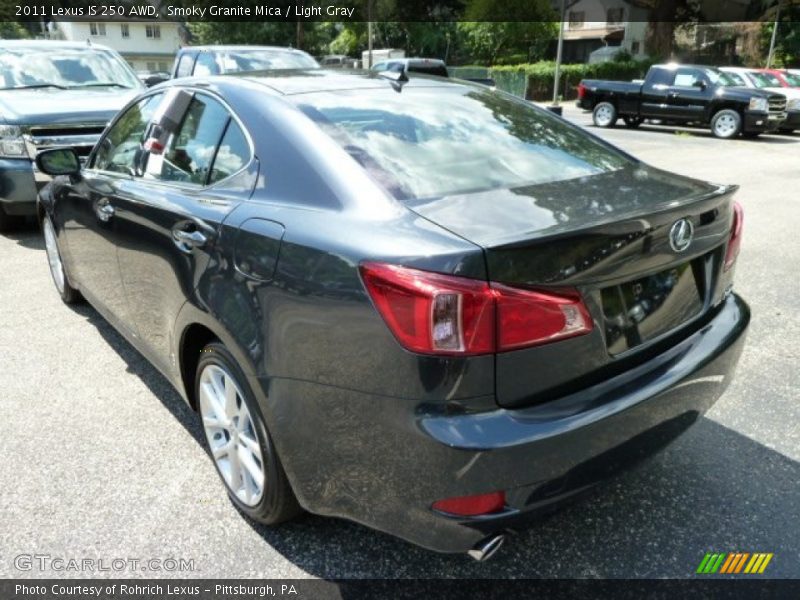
[[392, 10]]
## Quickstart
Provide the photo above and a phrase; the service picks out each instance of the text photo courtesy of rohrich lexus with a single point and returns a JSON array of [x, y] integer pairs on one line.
[[391, 286]]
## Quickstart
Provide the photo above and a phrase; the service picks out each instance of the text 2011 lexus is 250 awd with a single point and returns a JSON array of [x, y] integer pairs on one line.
[[422, 305]]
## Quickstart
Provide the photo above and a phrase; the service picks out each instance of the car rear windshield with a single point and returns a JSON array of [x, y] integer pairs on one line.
[[31, 66], [430, 142]]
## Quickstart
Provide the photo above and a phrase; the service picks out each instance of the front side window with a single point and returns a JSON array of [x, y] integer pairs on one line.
[[120, 147], [190, 151], [427, 142]]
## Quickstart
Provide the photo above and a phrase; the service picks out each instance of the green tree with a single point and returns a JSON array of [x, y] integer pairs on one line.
[[10, 30], [787, 40], [529, 34]]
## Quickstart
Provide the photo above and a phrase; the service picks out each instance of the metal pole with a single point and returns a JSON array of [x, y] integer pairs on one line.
[[774, 35], [558, 53], [369, 33]]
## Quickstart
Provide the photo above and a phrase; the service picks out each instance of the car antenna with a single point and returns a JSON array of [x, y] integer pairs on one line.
[[397, 78]]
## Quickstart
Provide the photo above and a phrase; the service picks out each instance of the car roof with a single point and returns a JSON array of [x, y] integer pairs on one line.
[[291, 82], [50, 44], [241, 47]]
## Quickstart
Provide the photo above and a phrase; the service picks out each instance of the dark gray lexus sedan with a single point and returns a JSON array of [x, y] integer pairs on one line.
[[422, 305]]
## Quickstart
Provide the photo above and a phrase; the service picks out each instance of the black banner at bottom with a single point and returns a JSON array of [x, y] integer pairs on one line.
[[347, 589]]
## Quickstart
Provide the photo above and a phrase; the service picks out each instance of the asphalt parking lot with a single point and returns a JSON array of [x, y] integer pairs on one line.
[[102, 460]]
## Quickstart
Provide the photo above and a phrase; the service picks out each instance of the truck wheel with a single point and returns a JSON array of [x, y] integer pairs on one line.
[[605, 115], [726, 124], [632, 122], [786, 131]]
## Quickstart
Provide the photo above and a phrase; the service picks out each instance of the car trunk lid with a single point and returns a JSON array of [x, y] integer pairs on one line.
[[609, 237]]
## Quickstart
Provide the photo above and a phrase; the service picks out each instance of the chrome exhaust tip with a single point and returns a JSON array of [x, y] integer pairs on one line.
[[486, 548]]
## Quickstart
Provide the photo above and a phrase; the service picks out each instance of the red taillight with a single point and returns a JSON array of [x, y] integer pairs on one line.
[[528, 318], [581, 91], [432, 313], [472, 506], [735, 241]]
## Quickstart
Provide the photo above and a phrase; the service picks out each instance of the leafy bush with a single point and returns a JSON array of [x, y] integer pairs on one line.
[[534, 81]]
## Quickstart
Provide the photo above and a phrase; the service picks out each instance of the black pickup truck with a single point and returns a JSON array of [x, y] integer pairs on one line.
[[684, 94]]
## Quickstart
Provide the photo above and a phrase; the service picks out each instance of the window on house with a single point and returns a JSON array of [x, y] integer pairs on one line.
[[153, 31], [125, 30], [614, 16], [98, 29], [576, 19], [635, 48], [151, 66], [162, 66]]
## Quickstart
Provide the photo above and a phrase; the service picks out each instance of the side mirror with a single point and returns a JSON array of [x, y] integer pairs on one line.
[[58, 161], [700, 84]]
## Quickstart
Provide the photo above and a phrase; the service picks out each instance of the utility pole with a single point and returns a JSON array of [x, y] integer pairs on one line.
[[774, 35], [369, 33], [558, 54]]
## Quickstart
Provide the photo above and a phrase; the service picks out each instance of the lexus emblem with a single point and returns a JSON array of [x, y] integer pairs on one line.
[[681, 234]]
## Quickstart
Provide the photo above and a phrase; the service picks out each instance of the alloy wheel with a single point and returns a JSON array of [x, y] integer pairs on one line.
[[53, 257], [725, 126], [603, 115], [231, 434]]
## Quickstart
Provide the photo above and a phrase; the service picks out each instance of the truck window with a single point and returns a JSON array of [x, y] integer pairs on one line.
[[185, 66], [658, 76], [687, 77]]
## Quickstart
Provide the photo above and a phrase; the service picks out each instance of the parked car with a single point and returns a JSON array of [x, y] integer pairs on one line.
[[338, 61], [786, 78], [52, 94], [685, 94], [424, 66], [202, 61], [436, 312], [151, 78], [763, 80]]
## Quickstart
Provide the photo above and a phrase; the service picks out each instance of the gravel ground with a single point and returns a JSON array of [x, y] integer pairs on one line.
[[102, 460]]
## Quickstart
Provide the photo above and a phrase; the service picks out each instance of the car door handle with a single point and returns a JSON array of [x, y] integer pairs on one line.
[[105, 212], [186, 240]]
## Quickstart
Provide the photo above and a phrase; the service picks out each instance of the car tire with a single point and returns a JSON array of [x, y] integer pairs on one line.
[[632, 122], [5, 220], [69, 295], [604, 114], [786, 131], [726, 124], [238, 440]]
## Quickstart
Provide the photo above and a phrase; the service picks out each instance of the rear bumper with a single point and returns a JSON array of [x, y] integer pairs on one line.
[[383, 461], [18, 186]]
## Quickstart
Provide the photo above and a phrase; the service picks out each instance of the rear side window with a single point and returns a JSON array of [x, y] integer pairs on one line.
[[658, 76], [190, 152], [429, 142], [233, 153], [185, 65]]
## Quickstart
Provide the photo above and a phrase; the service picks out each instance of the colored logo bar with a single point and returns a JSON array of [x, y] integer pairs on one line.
[[734, 562]]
